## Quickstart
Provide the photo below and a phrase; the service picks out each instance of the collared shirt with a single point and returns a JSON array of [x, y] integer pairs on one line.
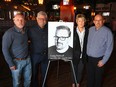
[[39, 39], [100, 43], [81, 39], [14, 45]]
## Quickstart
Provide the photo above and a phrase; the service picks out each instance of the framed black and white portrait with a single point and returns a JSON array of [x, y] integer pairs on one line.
[[60, 40]]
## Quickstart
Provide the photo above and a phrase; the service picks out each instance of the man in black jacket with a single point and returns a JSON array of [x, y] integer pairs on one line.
[[39, 45]]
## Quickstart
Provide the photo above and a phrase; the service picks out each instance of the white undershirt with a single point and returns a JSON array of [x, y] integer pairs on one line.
[[81, 38]]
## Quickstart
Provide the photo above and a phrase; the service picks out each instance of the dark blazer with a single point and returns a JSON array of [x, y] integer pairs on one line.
[[39, 39], [77, 47]]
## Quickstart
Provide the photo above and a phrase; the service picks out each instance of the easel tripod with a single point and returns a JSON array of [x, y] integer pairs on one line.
[[58, 70]]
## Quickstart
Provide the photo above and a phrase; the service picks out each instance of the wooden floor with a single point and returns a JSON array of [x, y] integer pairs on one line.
[[62, 76]]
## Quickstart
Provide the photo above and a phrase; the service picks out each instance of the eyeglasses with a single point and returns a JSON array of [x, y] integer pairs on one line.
[[61, 38], [98, 20], [43, 19]]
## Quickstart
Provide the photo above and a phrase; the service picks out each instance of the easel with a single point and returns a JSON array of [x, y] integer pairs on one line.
[[58, 70]]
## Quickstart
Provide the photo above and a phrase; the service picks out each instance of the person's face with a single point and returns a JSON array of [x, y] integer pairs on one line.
[[19, 21], [41, 20], [98, 21], [80, 22], [61, 39]]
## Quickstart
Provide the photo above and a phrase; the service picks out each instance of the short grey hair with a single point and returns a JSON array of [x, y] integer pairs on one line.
[[42, 13]]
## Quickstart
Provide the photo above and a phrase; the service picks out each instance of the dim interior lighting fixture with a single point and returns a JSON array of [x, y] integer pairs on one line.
[[7, 0], [75, 8], [92, 13], [40, 1], [55, 6], [16, 12], [66, 2], [106, 13], [15, 7], [26, 7], [86, 7]]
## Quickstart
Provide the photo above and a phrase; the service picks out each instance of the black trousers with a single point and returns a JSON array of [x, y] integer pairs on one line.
[[94, 73], [37, 60], [78, 68]]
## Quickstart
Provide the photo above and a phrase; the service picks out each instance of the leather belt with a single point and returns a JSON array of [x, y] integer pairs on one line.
[[95, 57], [20, 58]]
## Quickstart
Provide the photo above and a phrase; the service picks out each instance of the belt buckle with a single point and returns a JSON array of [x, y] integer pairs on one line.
[[20, 58]]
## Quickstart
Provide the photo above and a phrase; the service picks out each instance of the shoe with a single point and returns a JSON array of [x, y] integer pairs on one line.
[[77, 85], [73, 85]]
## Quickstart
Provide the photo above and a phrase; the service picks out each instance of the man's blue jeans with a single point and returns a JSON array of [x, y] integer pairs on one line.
[[23, 69]]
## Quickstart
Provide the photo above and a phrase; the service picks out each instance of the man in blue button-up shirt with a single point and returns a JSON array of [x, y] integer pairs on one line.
[[15, 50], [99, 49]]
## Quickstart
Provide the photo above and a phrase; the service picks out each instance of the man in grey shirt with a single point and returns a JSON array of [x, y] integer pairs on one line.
[[15, 50], [99, 49]]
